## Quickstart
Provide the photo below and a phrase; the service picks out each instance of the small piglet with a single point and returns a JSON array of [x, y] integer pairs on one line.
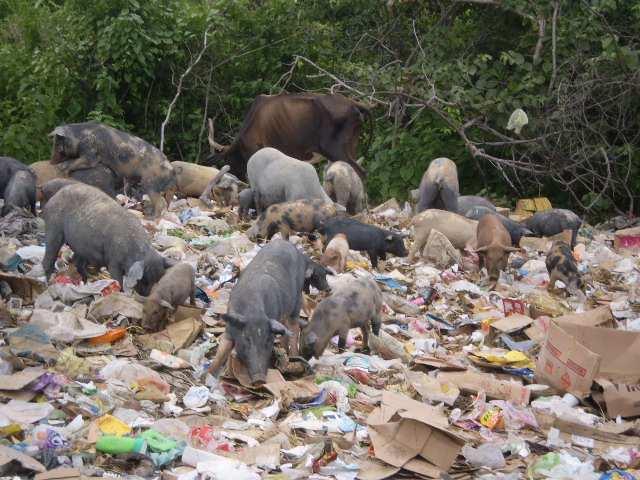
[[562, 266], [376, 241], [173, 289], [355, 304], [335, 255], [494, 246]]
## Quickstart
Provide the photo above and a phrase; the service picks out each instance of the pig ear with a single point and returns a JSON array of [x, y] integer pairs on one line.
[[169, 262], [58, 132], [389, 238], [165, 304], [278, 328], [311, 339], [234, 319], [308, 273]]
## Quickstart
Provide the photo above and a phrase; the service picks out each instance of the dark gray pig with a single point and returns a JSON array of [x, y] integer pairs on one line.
[[467, 202], [357, 303], [439, 187], [20, 192], [101, 233], [562, 266], [245, 200], [100, 177], [50, 188], [173, 289], [275, 178], [516, 229], [79, 146], [268, 292], [344, 186], [376, 241], [554, 221], [9, 166]]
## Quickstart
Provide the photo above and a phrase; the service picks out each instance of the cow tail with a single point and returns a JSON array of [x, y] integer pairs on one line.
[[366, 111]]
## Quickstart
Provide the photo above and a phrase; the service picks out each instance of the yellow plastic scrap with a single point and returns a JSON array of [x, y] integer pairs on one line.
[[512, 358], [110, 425]]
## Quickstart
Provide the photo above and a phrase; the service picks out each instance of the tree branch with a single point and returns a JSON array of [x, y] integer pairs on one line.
[[554, 24], [193, 63]]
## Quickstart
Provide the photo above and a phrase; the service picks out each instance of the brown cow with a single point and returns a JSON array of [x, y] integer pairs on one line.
[[298, 125]]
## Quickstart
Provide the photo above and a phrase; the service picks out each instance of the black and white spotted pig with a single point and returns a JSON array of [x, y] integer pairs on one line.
[[290, 217]]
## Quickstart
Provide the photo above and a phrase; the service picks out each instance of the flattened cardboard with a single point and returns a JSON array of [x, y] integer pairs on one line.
[[495, 388], [620, 398], [512, 323], [600, 316], [8, 455], [402, 429], [58, 474], [19, 380]]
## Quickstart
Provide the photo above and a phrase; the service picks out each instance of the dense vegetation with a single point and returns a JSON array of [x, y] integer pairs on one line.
[[444, 75]]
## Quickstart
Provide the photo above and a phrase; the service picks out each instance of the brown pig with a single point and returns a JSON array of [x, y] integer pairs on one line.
[[494, 245], [562, 266], [357, 303], [173, 289], [335, 255], [459, 230], [289, 217]]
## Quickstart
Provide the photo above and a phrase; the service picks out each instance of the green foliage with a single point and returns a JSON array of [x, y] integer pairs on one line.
[[118, 62]]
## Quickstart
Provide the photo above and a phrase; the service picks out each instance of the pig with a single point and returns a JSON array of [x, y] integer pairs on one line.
[[50, 188], [562, 266], [554, 221], [9, 166], [275, 178], [317, 278], [467, 202], [344, 186], [289, 217], [45, 171], [376, 241], [100, 177], [173, 289], [78, 146], [192, 179], [494, 246], [516, 229], [101, 233], [267, 296], [20, 192], [224, 189], [460, 231], [357, 303], [335, 255], [439, 186], [245, 202]]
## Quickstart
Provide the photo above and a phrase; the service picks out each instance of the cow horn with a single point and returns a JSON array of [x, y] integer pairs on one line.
[[213, 145]]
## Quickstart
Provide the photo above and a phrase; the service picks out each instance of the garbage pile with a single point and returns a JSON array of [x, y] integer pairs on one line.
[[461, 381]]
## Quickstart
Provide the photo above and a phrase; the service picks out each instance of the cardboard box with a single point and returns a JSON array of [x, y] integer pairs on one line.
[[620, 398], [627, 239], [413, 435], [574, 355], [533, 205]]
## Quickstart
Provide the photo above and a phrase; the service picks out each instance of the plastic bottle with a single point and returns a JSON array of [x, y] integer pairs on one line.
[[114, 445]]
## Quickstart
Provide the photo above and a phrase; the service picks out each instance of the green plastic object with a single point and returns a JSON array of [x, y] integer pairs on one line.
[[158, 442], [115, 445]]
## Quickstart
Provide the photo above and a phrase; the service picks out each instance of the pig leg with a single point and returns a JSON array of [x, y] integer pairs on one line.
[[553, 276], [54, 240], [156, 202], [365, 336], [343, 333], [373, 256], [77, 164], [420, 240], [343, 199], [222, 355], [116, 273], [428, 195], [285, 231], [192, 297], [81, 266], [449, 199], [376, 323]]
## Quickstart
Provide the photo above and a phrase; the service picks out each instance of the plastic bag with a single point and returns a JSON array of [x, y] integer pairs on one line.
[[196, 397], [517, 120], [486, 455]]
